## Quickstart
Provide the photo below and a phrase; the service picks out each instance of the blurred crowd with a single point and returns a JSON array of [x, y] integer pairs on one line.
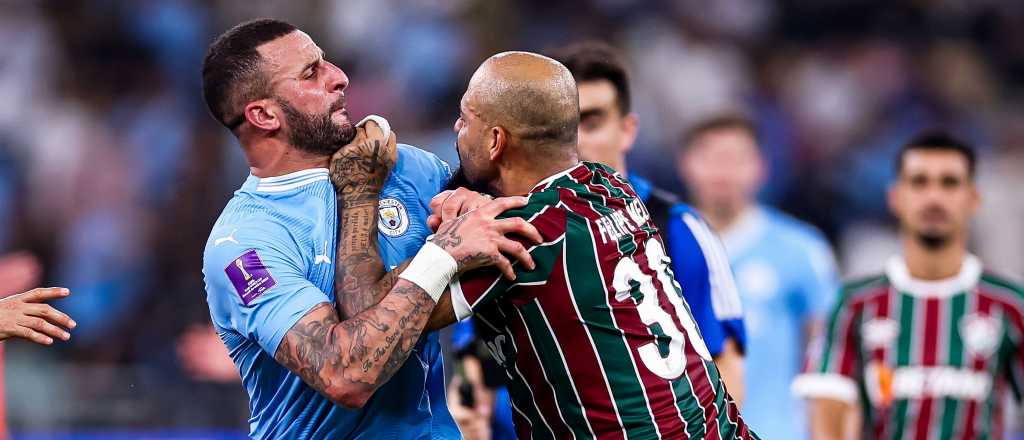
[[112, 172]]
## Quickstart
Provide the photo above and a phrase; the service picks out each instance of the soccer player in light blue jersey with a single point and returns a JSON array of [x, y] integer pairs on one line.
[[784, 268], [320, 357]]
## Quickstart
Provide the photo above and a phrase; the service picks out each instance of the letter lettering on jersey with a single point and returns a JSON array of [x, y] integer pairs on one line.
[[638, 213], [939, 382]]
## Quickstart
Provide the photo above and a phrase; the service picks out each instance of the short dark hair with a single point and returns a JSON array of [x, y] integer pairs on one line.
[[232, 71], [727, 121], [595, 61], [938, 140]]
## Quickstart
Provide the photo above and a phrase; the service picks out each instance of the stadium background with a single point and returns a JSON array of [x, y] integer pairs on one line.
[[112, 172]]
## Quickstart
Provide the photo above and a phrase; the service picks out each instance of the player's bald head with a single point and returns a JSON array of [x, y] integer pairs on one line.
[[532, 96]]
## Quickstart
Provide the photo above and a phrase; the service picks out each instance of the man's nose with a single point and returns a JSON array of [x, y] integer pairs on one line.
[[338, 80]]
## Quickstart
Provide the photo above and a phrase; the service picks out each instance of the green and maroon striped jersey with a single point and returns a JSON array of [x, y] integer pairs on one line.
[[597, 340], [924, 360]]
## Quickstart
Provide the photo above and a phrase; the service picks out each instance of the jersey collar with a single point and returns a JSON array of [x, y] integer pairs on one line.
[[548, 180], [899, 276], [291, 181]]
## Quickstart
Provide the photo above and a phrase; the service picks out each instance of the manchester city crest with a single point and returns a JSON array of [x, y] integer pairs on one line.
[[392, 218]]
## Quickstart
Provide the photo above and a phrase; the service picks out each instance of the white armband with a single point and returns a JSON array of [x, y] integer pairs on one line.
[[432, 269]]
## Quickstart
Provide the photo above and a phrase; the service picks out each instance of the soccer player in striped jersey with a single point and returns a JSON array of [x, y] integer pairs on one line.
[[926, 349], [595, 336]]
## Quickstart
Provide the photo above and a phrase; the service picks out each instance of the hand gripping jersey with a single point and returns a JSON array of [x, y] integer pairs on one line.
[[597, 340], [270, 259], [925, 360]]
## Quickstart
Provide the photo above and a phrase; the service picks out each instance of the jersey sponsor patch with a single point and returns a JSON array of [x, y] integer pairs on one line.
[[392, 218], [249, 276], [980, 334]]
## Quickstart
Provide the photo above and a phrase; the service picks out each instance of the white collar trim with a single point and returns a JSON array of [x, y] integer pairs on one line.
[[555, 176], [899, 276], [291, 181]]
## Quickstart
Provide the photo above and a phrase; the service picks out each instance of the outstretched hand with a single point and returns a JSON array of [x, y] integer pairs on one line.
[[359, 169], [24, 316], [477, 238]]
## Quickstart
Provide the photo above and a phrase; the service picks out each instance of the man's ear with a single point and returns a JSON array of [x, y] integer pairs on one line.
[[263, 114], [499, 141], [892, 197], [629, 132]]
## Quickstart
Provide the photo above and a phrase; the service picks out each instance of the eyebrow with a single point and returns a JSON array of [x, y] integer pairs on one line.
[[591, 112], [319, 58]]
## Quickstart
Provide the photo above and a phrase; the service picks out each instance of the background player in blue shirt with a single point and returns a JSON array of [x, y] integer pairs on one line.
[[311, 356], [784, 268]]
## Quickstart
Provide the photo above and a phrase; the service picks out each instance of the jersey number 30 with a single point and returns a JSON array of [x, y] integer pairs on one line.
[[627, 272]]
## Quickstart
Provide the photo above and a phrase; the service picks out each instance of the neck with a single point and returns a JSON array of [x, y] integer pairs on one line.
[[619, 165], [925, 263], [517, 181], [722, 220], [275, 158]]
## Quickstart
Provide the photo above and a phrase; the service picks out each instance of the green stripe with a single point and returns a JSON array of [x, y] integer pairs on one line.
[[588, 290], [950, 407], [549, 352], [524, 400], [903, 351]]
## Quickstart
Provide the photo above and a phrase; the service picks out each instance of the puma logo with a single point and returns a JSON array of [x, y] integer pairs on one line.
[[229, 238], [322, 258]]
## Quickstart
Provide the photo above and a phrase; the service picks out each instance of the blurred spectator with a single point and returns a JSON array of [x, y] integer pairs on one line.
[[784, 268]]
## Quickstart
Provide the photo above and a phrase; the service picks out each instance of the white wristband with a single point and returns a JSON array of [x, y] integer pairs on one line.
[[432, 269]]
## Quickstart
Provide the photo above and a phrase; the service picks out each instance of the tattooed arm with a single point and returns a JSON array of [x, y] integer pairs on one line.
[[358, 172], [347, 360]]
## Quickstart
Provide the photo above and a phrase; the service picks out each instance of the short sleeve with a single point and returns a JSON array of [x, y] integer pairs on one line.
[[255, 282], [816, 285], [702, 269], [476, 288], [830, 367]]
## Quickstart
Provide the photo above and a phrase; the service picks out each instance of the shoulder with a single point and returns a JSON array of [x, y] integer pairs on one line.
[[856, 289], [417, 161], [259, 231], [799, 236], [1010, 290]]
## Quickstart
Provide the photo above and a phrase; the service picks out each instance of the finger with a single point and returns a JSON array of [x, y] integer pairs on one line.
[[453, 206], [32, 335], [502, 204], [373, 129], [433, 222], [42, 326], [436, 201], [505, 267], [517, 225], [51, 314], [45, 294], [515, 249]]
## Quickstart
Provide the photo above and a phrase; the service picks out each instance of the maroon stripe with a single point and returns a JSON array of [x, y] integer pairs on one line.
[[531, 368], [581, 360], [848, 356], [523, 427], [929, 355]]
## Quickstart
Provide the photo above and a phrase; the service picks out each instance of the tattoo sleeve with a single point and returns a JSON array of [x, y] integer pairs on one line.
[[347, 360], [359, 175]]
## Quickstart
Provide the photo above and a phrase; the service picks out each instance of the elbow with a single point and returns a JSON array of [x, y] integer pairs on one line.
[[349, 397]]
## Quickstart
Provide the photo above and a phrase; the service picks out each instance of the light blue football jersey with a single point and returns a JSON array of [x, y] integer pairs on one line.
[[270, 259], [786, 275]]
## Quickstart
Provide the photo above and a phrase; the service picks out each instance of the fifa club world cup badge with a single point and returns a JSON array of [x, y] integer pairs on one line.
[[392, 219], [249, 276]]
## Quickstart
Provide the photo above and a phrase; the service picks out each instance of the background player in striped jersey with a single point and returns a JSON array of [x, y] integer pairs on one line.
[[596, 337], [925, 350]]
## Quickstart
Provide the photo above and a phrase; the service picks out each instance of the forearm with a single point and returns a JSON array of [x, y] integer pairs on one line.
[[730, 366], [348, 360], [828, 419], [359, 279]]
